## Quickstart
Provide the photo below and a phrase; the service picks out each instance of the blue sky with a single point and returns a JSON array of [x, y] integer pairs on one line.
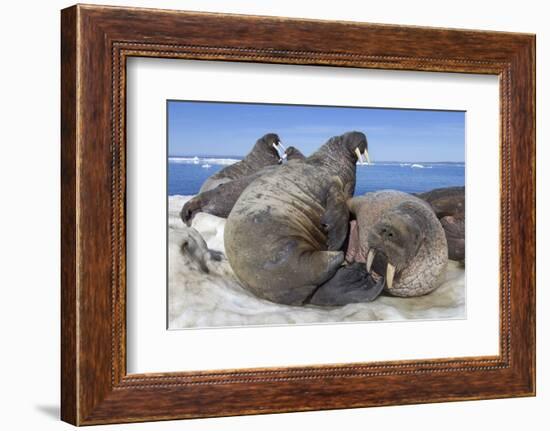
[[215, 129]]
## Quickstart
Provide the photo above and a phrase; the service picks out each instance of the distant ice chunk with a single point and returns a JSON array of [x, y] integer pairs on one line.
[[204, 160]]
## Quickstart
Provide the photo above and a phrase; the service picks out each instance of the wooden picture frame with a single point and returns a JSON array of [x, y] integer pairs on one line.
[[95, 43]]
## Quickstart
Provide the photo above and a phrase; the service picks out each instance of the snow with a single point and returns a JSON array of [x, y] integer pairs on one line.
[[204, 292]]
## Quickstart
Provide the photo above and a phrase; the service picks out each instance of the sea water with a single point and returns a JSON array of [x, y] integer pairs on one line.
[[186, 174]]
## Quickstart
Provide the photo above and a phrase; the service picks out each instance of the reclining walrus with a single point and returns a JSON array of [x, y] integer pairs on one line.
[[220, 200], [285, 233], [264, 153], [398, 236]]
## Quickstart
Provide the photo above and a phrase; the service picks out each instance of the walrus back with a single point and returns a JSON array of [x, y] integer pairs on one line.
[[235, 171], [273, 234], [229, 173]]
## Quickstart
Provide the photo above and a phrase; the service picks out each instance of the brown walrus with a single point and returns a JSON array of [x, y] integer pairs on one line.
[[449, 206], [398, 236], [220, 200], [284, 236], [264, 153]]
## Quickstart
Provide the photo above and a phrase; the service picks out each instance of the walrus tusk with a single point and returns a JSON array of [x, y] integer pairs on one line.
[[390, 272], [366, 153], [359, 156], [370, 259], [279, 144], [276, 145]]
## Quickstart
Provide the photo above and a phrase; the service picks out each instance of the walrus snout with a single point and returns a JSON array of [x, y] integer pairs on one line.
[[189, 210], [281, 150], [395, 239], [274, 145], [387, 233], [379, 263]]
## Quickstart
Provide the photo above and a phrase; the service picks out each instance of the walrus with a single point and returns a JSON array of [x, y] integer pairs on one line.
[[398, 236], [293, 153], [449, 206], [284, 235], [220, 200], [264, 153], [194, 250]]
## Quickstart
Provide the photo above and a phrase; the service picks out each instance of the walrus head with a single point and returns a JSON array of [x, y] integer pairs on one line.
[[342, 152], [269, 146], [357, 145], [190, 209], [293, 153], [395, 240]]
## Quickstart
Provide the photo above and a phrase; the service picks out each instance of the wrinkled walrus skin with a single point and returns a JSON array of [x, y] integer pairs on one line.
[[398, 236], [284, 234], [264, 153], [220, 200]]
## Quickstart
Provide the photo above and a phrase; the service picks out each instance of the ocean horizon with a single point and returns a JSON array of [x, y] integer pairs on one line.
[[186, 174], [237, 157]]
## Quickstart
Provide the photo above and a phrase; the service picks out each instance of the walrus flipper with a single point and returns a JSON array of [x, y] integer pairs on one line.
[[351, 284], [335, 220]]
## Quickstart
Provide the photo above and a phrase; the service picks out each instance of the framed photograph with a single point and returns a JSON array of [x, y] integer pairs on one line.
[[263, 214]]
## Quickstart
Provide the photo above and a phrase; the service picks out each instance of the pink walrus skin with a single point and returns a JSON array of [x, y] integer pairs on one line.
[[398, 237]]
